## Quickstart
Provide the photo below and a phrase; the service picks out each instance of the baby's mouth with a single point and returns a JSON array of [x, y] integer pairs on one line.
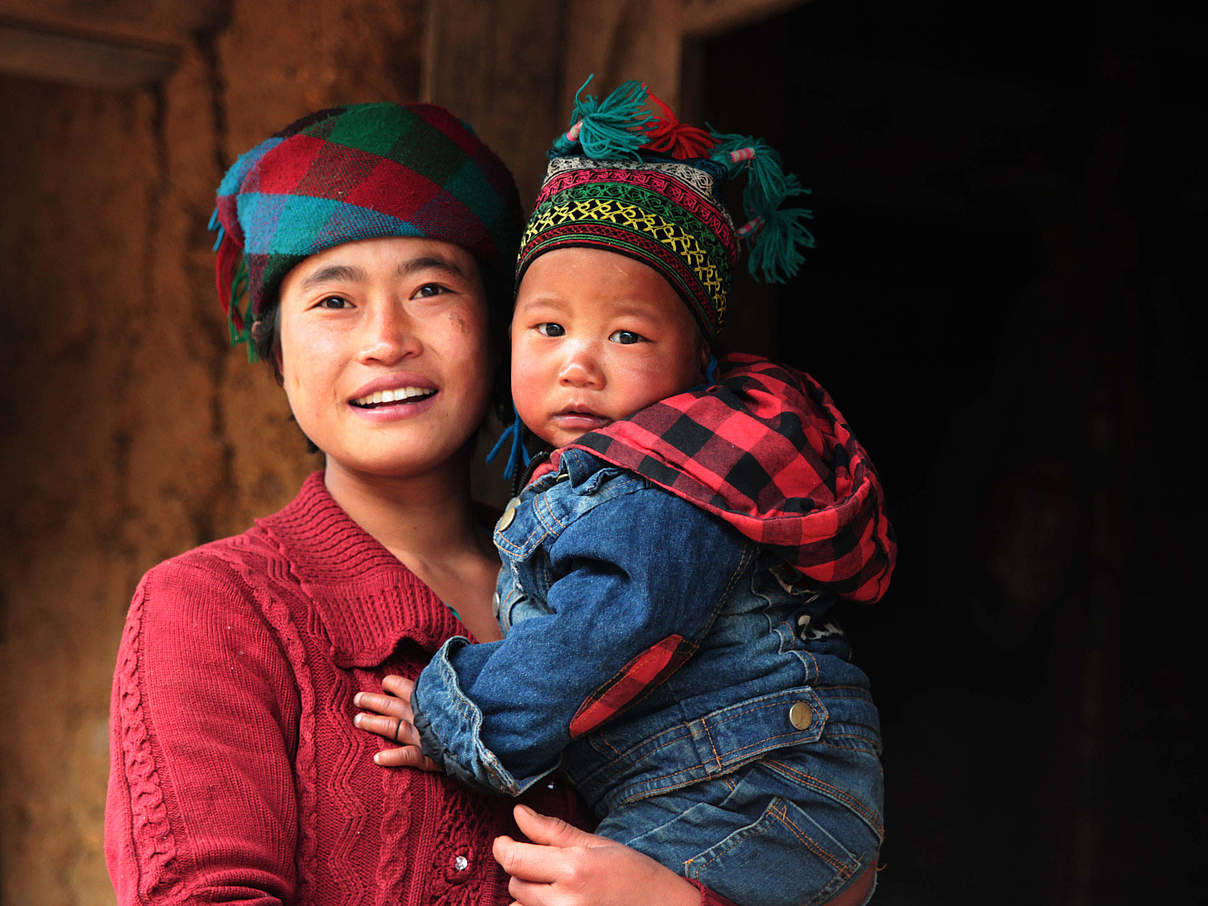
[[581, 416], [399, 395]]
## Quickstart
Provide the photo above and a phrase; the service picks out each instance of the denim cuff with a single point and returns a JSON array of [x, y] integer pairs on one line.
[[450, 727]]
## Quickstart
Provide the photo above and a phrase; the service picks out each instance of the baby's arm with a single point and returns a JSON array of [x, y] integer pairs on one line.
[[634, 585], [388, 714]]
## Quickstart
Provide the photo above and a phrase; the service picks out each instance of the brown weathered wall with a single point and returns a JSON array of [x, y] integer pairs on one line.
[[128, 432]]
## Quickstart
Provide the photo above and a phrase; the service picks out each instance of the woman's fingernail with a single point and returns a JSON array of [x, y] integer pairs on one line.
[[356, 720], [356, 699], [377, 758]]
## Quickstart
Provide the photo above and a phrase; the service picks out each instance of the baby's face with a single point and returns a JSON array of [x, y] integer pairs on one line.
[[596, 336]]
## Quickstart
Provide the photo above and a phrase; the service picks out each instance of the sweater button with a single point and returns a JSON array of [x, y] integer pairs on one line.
[[461, 863]]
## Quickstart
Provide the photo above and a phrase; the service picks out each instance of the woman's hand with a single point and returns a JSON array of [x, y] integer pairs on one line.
[[389, 714], [565, 866]]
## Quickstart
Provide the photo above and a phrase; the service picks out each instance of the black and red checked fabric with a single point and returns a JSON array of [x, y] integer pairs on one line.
[[645, 671], [767, 450]]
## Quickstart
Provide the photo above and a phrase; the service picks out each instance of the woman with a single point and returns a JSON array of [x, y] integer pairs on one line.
[[363, 251]]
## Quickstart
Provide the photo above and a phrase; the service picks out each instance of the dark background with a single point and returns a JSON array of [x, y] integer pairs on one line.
[[1010, 213]]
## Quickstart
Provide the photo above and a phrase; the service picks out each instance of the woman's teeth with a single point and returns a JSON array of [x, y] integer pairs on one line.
[[393, 396]]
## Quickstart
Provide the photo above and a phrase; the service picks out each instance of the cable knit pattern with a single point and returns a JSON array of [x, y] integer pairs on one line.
[[149, 818], [304, 760], [236, 774]]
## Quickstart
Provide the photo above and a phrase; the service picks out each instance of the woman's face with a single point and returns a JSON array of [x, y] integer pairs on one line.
[[384, 353]]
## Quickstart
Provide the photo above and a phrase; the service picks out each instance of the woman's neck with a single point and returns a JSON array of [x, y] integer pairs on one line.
[[427, 521], [411, 516]]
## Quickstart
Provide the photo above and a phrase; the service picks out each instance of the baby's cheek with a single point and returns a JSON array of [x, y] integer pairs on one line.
[[527, 393]]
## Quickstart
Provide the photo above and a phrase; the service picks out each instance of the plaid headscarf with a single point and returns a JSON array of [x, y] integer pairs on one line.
[[766, 450], [368, 171]]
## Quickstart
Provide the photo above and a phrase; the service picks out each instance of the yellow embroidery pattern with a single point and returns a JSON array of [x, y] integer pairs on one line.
[[630, 217]]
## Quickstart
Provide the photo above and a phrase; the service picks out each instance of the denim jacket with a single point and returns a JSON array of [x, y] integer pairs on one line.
[[648, 645]]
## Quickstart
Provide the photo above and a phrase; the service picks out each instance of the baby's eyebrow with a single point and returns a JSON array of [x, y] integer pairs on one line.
[[540, 301]]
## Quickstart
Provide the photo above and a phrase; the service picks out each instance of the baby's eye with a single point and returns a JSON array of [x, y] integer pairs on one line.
[[333, 302], [625, 337], [428, 290], [550, 329]]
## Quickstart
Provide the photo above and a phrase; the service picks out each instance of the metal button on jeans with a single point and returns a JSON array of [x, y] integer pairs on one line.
[[800, 715], [509, 513]]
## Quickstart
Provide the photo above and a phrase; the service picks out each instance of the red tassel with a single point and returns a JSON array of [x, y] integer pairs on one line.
[[225, 267], [667, 135]]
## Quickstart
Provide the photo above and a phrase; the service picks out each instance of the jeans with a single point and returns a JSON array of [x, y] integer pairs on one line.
[[791, 829]]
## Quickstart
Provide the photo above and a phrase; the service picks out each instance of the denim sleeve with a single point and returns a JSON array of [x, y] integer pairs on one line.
[[627, 577]]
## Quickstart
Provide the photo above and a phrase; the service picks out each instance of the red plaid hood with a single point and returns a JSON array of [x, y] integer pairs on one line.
[[766, 450]]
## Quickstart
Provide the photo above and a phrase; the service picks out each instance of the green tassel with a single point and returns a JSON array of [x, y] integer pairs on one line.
[[607, 128], [775, 238], [239, 294], [765, 172]]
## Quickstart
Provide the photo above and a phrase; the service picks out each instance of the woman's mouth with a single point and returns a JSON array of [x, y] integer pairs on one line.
[[392, 397]]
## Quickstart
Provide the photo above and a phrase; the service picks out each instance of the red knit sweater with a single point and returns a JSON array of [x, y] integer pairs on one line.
[[236, 774]]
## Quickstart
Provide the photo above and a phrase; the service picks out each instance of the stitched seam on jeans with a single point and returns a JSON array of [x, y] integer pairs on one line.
[[773, 812], [753, 748], [525, 546], [781, 812], [831, 742], [834, 792], [543, 511]]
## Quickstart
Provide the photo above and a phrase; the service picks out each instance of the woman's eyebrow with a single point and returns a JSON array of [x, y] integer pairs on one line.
[[331, 273], [430, 262]]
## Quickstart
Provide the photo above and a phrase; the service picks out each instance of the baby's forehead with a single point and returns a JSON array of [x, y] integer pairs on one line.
[[594, 273]]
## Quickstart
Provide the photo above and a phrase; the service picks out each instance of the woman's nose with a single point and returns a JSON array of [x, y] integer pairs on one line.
[[388, 334], [581, 367]]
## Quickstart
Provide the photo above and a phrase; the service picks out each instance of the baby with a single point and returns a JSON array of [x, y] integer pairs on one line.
[[668, 567]]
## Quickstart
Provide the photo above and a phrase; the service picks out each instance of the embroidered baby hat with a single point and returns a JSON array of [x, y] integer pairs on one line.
[[367, 171], [628, 177]]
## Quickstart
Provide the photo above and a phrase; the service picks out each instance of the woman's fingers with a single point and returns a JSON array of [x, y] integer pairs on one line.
[[552, 831], [398, 686], [395, 729], [383, 704], [526, 862], [565, 866], [406, 757], [530, 894], [388, 714]]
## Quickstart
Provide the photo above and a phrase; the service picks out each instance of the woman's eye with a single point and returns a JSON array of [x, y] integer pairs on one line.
[[625, 337], [550, 329], [334, 302], [428, 290]]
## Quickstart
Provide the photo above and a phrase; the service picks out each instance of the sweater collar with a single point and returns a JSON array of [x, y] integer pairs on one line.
[[366, 599]]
